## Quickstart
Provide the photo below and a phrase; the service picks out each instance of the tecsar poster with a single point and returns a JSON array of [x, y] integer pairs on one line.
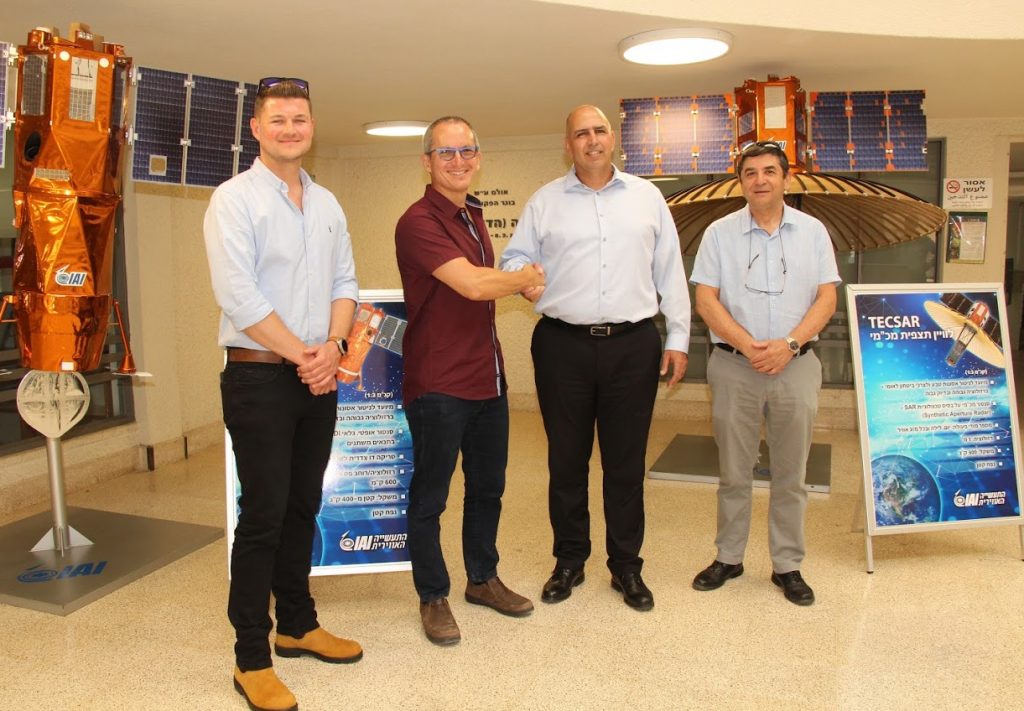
[[938, 416]]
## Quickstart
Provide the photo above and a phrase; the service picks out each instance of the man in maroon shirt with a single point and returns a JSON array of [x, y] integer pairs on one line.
[[454, 387]]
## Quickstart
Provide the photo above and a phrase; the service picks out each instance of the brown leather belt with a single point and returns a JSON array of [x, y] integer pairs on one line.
[[250, 355]]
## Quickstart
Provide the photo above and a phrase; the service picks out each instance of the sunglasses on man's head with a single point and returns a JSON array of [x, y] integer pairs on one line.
[[763, 144], [267, 83]]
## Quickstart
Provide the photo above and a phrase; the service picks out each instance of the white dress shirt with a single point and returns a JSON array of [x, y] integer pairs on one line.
[[266, 255], [607, 254]]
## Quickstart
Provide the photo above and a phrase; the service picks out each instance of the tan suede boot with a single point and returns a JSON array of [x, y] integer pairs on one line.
[[321, 644], [263, 691]]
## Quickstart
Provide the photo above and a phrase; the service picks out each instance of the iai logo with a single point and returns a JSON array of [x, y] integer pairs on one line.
[[377, 541], [66, 278], [979, 498], [38, 574]]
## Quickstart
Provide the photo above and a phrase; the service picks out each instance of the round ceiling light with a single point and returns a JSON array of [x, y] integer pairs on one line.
[[684, 45], [396, 128]]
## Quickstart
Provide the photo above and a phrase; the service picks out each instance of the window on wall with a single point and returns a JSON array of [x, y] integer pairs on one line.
[[910, 262], [111, 396]]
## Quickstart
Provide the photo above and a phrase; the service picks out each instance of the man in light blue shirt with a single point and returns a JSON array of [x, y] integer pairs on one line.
[[281, 263], [766, 281], [609, 250]]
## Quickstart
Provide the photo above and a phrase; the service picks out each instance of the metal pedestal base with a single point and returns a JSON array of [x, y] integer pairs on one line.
[[124, 549], [695, 458]]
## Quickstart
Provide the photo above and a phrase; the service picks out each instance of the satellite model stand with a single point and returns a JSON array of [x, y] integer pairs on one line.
[[53, 403]]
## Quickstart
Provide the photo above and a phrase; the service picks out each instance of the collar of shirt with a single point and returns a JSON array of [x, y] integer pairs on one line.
[[747, 224], [448, 207], [572, 181], [268, 176]]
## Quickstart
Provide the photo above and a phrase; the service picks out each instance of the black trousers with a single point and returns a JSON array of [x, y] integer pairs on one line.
[[611, 381], [281, 435]]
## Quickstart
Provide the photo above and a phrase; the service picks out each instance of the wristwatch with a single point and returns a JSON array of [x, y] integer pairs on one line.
[[340, 342], [794, 347]]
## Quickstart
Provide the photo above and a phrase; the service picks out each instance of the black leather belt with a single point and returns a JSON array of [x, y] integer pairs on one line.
[[726, 347], [251, 355], [598, 330]]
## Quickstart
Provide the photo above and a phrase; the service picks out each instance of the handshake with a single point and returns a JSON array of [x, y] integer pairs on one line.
[[534, 273]]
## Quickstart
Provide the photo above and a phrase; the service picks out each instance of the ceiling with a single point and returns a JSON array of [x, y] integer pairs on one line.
[[516, 67]]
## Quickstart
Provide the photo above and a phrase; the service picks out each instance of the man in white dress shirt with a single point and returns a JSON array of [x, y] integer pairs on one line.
[[609, 250]]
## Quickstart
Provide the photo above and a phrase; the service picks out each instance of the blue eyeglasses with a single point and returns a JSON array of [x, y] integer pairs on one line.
[[447, 153], [267, 83]]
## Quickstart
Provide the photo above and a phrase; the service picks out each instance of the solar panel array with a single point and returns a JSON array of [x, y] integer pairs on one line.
[[391, 333], [830, 131], [673, 135], [250, 147], [868, 131], [159, 126], [5, 52], [213, 121], [713, 130], [190, 129], [848, 132], [638, 135], [908, 130]]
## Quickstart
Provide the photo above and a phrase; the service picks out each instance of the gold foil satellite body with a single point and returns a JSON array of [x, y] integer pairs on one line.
[[69, 140]]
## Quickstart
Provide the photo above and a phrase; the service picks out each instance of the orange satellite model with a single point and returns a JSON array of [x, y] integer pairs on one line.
[[69, 137], [365, 327]]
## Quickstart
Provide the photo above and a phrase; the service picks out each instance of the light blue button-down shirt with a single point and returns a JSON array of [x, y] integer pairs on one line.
[[736, 254], [266, 256], [607, 254]]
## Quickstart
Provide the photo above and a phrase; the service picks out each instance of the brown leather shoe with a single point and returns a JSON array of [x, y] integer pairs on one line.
[[439, 622], [263, 691], [496, 596], [321, 644]]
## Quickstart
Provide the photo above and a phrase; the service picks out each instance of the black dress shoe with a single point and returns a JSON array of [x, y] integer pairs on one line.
[[634, 592], [793, 586], [715, 575], [559, 586]]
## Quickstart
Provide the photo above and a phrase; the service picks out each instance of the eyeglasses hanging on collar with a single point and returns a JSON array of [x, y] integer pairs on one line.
[[750, 263]]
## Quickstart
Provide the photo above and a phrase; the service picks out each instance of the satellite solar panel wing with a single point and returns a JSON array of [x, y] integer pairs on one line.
[[714, 134], [5, 52], [249, 147], [213, 115], [908, 130], [830, 132], [675, 135], [867, 130], [160, 100], [392, 330], [638, 135]]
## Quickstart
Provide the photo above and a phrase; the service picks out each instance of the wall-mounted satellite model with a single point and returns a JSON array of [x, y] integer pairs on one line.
[[847, 131]]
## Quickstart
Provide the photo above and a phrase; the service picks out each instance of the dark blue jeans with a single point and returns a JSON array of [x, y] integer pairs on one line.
[[281, 435], [441, 426]]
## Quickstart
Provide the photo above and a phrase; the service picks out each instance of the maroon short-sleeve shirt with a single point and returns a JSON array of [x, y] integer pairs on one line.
[[451, 342]]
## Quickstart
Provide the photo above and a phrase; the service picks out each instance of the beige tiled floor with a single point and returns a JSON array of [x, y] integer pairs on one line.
[[939, 624]]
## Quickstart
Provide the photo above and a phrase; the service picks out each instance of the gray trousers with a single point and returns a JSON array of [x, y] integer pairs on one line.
[[787, 402]]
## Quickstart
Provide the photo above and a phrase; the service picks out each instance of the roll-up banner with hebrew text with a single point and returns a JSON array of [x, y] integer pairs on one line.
[[361, 525], [938, 417]]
